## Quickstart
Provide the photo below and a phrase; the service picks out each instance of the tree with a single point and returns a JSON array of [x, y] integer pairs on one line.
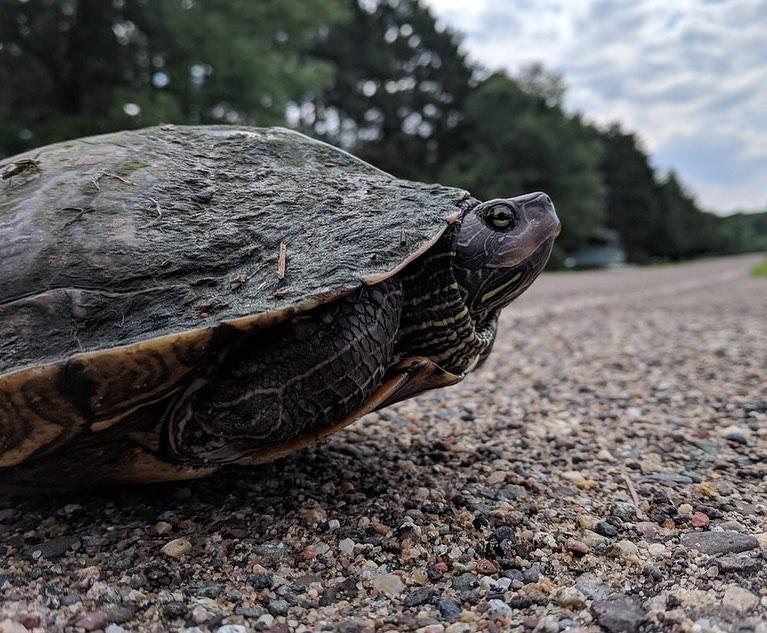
[[75, 67], [518, 143], [399, 90], [633, 204]]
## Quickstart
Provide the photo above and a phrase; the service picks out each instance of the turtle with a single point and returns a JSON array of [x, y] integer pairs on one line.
[[175, 300]]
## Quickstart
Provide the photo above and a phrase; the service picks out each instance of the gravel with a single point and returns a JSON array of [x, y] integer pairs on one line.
[[604, 471]]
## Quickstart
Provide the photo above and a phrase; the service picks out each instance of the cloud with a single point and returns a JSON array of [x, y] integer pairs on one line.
[[690, 76]]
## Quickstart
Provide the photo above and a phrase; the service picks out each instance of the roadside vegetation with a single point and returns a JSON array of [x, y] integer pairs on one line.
[[382, 79]]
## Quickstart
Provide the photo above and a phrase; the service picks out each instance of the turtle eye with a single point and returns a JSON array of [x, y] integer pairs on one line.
[[500, 217]]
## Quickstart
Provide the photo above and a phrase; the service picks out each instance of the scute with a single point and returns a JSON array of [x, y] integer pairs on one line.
[[161, 233]]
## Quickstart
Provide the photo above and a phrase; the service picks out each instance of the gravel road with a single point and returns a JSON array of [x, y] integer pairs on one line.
[[604, 471]]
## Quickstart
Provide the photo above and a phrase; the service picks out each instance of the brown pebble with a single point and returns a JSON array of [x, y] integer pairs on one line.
[[576, 546], [30, 620], [92, 621], [700, 520], [487, 567], [176, 548]]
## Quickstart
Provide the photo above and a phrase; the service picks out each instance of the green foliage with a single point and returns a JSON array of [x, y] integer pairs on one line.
[[379, 77], [399, 90], [516, 142], [75, 67], [760, 270]]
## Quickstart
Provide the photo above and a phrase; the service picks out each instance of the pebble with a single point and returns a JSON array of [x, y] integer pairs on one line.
[[604, 528], [114, 628], [200, 614], [92, 621], [176, 548], [389, 584], [619, 614], [593, 540], [577, 547], [700, 520], [278, 607], [419, 596], [737, 434], [725, 542], [230, 628], [737, 563], [627, 548], [448, 608], [684, 509], [465, 582], [9, 626], [623, 510], [739, 599], [498, 610]]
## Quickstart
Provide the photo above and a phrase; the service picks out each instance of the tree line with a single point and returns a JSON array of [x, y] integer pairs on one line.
[[383, 79]]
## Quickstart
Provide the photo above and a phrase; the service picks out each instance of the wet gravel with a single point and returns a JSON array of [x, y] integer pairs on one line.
[[604, 471]]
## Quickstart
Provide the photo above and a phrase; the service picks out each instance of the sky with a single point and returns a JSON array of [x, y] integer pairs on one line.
[[689, 76]]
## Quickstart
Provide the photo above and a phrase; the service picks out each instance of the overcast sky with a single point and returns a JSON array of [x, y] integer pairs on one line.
[[690, 76]]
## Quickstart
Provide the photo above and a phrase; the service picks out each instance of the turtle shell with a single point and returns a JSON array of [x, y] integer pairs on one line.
[[124, 256]]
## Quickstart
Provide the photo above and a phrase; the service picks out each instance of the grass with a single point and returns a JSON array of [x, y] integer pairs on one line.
[[760, 270]]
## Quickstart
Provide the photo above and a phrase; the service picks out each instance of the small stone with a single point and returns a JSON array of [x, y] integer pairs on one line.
[[9, 626], [606, 529], [232, 628], [114, 628], [648, 529], [389, 584], [532, 573], [278, 607], [627, 548], [623, 510], [346, 546], [176, 548], [577, 547], [737, 563], [261, 581], [496, 477], [718, 542], [486, 567], [656, 549], [738, 599], [498, 610], [465, 582], [448, 608], [314, 515], [737, 434], [265, 621], [334, 524], [571, 598], [162, 527], [92, 621], [200, 614], [619, 614], [417, 597], [684, 509], [594, 540], [700, 520]]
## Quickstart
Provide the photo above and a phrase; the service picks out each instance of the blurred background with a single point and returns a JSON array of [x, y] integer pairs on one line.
[[497, 97]]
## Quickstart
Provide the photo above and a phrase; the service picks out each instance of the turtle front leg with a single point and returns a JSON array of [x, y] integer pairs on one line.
[[283, 382]]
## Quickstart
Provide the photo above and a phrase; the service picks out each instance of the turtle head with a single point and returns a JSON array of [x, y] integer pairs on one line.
[[502, 246]]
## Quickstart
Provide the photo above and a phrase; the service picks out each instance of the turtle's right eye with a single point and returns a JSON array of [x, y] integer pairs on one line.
[[500, 217]]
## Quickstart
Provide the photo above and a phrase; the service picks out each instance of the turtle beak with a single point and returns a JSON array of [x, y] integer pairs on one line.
[[540, 224]]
